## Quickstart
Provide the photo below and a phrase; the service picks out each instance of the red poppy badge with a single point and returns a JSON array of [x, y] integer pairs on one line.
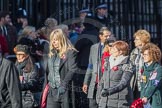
[[115, 68]]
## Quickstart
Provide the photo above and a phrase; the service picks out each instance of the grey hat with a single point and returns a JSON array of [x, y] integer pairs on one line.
[[22, 48], [50, 22]]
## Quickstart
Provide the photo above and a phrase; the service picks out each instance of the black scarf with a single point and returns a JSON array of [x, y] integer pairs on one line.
[[20, 67]]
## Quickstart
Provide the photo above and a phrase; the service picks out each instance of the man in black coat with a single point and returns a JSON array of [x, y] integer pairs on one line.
[[10, 94]]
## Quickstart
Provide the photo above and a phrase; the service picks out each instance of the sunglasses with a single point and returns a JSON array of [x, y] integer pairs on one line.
[[20, 54]]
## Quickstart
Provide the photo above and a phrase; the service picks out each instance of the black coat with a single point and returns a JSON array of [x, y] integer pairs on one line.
[[10, 93], [67, 69]]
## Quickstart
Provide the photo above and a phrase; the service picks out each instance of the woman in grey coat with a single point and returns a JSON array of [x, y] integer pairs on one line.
[[114, 90]]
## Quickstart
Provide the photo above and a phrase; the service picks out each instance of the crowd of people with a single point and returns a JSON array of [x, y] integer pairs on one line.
[[78, 65]]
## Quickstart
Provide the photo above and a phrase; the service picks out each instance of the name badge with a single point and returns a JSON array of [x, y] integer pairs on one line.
[[143, 79], [153, 76]]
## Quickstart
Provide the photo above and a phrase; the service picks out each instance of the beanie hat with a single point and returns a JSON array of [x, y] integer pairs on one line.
[[22, 48], [110, 40]]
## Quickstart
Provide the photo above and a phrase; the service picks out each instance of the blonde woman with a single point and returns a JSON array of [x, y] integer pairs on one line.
[[60, 70], [141, 38]]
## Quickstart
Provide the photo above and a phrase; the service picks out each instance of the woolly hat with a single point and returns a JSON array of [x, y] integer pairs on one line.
[[22, 48], [50, 22]]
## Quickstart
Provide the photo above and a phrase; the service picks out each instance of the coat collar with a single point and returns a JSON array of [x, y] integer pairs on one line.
[[137, 51], [119, 60], [151, 66], [63, 60]]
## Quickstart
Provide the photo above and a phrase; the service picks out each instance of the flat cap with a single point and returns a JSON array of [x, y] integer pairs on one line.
[[104, 6], [84, 10]]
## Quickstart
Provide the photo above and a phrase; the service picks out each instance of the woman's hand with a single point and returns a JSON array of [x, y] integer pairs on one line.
[[104, 92], [144, 100]]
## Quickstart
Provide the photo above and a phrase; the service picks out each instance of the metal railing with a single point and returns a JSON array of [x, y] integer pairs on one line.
[[128, 15]]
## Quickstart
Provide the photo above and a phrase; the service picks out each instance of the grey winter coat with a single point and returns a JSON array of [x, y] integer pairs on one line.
[[93, 69], [137, 62], [117, 82]]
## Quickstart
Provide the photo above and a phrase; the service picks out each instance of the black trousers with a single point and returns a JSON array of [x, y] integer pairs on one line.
[[51, 104], [136, 93], [54, 102], [92, 101]]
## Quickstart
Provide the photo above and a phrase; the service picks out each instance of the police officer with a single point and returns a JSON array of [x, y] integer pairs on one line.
[[101, 14]]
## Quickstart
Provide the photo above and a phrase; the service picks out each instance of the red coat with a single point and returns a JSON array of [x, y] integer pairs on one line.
[[4, 45], [104, 55]]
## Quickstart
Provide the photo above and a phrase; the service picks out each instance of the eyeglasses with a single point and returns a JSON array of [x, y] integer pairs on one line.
[[19, 54], [145, 54]]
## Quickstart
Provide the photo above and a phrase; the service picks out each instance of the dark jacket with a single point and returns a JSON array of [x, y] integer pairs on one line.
[[30, 86], [67, 68], [10, 36], [151, 84], [10, 94], [30, 75]]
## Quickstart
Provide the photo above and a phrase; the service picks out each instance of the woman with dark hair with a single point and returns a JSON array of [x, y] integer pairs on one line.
[[29, 77], [106, 51]]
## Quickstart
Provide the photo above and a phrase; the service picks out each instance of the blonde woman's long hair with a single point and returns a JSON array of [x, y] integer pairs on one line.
[[64, 43]]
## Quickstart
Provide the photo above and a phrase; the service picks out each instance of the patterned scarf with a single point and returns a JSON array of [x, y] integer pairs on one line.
[[20, 66]]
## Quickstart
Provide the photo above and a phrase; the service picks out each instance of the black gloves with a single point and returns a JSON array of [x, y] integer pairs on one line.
[[61, 90], [104, 92]]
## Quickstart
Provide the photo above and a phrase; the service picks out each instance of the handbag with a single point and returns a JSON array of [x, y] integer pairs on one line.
[[44, 97]]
